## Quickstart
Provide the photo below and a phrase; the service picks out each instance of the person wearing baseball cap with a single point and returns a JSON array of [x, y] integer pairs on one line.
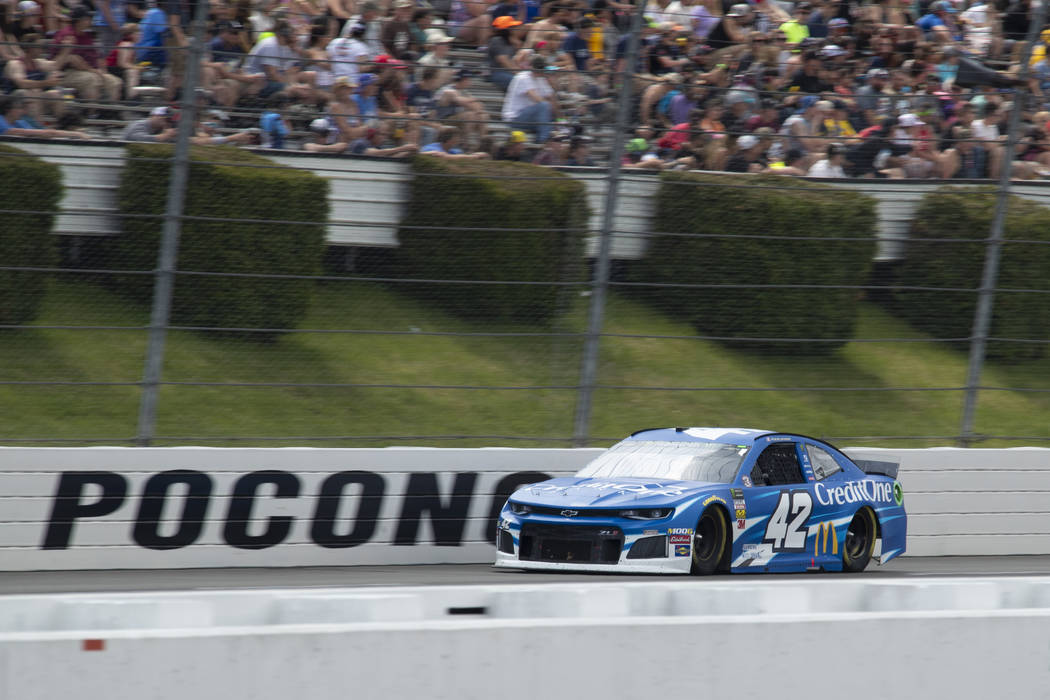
[[873, 98], [397, 32], [506, 36], [838, 28], [347, 53], [159, 126], [455, 100], [514, 148], [438, 46], [26, 20], [733, 28], [748, 157], [343, 112], [325, 137], [531, 103], [938, 16], [796, 29], [27, 8]]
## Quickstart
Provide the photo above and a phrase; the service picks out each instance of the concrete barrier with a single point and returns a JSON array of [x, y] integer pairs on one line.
[[824, 638], [116, 508], [368, 195]]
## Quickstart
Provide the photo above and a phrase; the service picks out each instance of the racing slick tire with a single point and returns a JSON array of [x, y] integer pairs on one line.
[[711, 546], [860, 541]]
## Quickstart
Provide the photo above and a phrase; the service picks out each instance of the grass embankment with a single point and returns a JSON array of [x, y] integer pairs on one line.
[[109, 413]]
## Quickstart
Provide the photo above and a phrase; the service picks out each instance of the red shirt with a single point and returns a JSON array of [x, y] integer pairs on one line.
[[81, 39], [675, 137]]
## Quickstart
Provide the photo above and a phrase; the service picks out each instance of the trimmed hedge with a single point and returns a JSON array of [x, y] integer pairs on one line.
[[720, 206], [448, 198], [966, 213], [26, 239], [229, 183]]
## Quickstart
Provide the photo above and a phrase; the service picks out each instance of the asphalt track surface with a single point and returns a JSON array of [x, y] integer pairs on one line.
[[21, 582]]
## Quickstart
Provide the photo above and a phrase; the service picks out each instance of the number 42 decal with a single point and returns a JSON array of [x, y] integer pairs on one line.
[[786, 530]]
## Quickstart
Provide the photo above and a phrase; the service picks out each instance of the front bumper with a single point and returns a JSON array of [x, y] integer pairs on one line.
[[646, 566], [558, 544]]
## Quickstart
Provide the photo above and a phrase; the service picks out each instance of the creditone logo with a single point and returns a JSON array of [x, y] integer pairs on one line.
[[854, 492], [820, 542]]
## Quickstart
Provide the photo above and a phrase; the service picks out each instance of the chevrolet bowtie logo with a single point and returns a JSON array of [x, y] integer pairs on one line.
[[570, 513]]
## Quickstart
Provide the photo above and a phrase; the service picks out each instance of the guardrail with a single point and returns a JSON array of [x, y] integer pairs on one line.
[[368, 195], [144, 508], [751, 639]]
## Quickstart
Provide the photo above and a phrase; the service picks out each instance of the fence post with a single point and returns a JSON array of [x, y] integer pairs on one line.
[[600, 283], [982, 319], [164, 279]]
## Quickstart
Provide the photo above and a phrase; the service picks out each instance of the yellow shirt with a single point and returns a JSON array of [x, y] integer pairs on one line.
[[596, 43], [839, 128], [794, 31]]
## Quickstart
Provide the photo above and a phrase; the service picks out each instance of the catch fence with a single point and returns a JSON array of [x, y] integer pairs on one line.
[[230, 303]]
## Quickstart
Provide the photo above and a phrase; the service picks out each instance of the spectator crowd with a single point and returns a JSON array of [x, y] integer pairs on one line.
[[826, 88]]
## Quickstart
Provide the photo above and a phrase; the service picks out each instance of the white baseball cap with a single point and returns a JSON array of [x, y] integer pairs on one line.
[[747, 141], [907, 120], [437, 36]]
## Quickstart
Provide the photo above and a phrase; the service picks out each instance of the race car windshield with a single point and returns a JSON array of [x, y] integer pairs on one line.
[[685, 461]]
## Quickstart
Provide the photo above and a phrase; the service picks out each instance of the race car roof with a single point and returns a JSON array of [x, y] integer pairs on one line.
[[731, 436]]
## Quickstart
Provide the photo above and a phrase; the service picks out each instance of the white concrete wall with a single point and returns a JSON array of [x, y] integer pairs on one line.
[[960, 502], [368, 195], [455, 527], [974, 501], [958, 639]]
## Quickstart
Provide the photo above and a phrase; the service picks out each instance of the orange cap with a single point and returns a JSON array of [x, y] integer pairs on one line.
[[505, 22]]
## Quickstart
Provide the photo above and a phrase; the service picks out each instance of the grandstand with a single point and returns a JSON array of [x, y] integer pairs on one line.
[[796, 88]]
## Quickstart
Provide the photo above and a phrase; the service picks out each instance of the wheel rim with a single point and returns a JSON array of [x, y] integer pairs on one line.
[[706, 541], [857, 537]]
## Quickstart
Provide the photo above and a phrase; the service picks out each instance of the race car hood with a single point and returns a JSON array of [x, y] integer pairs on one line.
[[620, 492]]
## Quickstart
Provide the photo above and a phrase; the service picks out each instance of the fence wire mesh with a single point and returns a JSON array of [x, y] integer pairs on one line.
[[333, 286]]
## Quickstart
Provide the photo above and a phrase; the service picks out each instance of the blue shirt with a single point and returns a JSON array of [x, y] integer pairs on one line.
[[927, 22], [225, 53], [576, 46], [153, 27], [436, 147], [532, 9], [117, 9], [23, 123], [367, 106], [274, 129]]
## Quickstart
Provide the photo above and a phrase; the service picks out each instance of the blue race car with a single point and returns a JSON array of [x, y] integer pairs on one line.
[[706, 501]]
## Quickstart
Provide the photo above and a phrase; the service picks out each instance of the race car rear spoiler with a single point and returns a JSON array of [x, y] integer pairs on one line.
[[871, 466]]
